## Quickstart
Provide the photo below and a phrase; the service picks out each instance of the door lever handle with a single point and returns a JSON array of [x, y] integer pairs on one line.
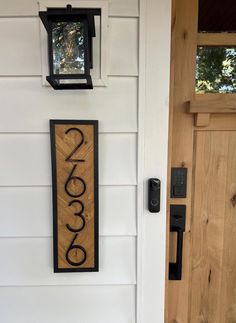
[[177, 224]]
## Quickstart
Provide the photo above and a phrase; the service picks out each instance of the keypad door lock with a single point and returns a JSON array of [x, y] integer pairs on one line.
[[154, 190], [178, 182]]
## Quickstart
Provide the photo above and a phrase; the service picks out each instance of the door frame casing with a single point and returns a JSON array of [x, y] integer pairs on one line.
[[153, 118]]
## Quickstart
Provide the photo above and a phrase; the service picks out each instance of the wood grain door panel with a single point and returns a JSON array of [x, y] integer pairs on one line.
[[213, 243]]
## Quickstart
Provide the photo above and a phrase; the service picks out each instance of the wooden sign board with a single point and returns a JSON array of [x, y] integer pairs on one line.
[[74, 148]]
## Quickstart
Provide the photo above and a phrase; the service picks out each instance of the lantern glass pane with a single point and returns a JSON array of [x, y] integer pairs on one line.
[[68, 47]]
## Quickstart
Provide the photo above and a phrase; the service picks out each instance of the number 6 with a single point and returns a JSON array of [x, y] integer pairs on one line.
[[76, 246], [70, 178]]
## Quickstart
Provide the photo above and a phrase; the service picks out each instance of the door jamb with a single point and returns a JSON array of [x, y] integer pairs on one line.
[[153, 115]]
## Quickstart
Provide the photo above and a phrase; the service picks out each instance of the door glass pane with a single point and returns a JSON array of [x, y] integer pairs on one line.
[[217, 16], [68, 47], [216, 70]]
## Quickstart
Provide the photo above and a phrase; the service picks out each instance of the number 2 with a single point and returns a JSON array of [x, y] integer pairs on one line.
[[68, 158]]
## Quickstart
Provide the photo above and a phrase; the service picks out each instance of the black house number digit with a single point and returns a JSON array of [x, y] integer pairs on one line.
[[81, 190], [68, 158]]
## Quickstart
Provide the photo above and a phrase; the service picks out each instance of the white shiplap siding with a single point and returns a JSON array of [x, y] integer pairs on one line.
[[31, 213], [30, 263], [68, 304], [32, 105], [20, 49], [29, 290], [11, 8], [26, 159]]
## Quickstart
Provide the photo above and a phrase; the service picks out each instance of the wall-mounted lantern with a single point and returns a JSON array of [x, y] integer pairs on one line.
[[70, 32]]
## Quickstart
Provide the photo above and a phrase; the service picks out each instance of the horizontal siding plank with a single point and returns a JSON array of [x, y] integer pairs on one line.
[[20, 47], [124, 8], [33, 105], [28, 262], [25, 159], [27, 211], [87, 304], [123, 46], [30, 8]]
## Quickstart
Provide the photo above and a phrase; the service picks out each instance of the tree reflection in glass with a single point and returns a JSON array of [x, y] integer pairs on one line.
[[216, 70], [68, 47]]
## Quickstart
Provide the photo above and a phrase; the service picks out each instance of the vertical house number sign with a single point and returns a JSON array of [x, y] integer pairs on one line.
[[74, 147]]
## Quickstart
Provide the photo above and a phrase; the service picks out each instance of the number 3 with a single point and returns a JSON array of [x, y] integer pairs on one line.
[[79, 214]]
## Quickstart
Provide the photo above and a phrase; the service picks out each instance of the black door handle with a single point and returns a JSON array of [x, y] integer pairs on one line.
[[177, 224]]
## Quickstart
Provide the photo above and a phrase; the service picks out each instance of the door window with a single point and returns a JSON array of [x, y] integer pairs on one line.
[[216, 69]]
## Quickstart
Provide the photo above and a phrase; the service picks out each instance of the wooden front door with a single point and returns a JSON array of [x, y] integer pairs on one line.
[[202, 139], [213, 258]]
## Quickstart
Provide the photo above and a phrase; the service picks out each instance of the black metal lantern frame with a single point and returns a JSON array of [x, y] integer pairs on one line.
[[59, 19]]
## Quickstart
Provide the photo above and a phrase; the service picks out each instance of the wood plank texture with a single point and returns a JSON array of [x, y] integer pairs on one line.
[[117, 156], [30, 8], [213, 284], [75, 195], [30, 214], [222, 122], [213, 103], [207, 226], [216, 39], [32, 105], [20, 43], [202, 119], [68, 304], [206, 292], [184, 41], [228, 278], [31, 264]]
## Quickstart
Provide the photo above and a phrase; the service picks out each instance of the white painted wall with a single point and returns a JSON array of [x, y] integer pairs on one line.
[[133, 117]]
